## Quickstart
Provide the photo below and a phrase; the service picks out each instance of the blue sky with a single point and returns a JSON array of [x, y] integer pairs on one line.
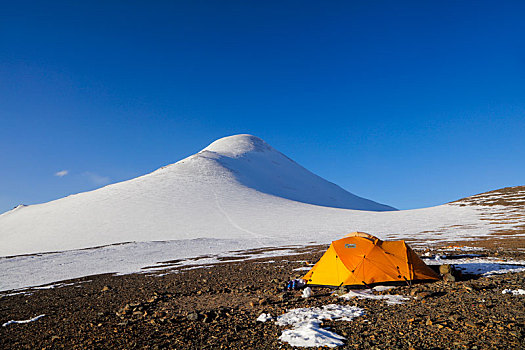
[[411, 104]]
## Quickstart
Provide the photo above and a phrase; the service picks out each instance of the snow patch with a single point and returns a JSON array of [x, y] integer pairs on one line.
[[303, 268], [306, 328], [24, 293], [390, 299], [264, 317], [481, 266], [382, 288], [307, 292], [22, 321], [514, 292], [462, 248]]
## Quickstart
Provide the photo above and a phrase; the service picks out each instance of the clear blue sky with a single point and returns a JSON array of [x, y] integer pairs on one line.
[[411, 104]]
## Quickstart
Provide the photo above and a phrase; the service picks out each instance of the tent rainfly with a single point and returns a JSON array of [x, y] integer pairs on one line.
[[363, 259]]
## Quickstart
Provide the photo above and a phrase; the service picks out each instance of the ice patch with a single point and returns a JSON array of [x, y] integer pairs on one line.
[[22, 321], [306, 328], [366, 294]]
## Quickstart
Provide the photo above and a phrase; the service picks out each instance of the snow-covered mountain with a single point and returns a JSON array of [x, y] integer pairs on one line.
[[199, 196], [236, 194]]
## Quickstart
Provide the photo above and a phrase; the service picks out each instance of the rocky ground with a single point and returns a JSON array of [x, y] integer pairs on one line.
[[216, 307]]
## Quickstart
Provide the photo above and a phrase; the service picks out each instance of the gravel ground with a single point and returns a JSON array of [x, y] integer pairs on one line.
[[216, 307]]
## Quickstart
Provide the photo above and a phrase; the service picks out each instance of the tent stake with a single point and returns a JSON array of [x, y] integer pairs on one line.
[[366, 285], [408, 282]]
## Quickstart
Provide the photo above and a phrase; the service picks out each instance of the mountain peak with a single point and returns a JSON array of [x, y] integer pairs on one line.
[[238, 145], [258, 166]]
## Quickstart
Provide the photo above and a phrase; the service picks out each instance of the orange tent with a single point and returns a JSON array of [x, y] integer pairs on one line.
[[363, 259]]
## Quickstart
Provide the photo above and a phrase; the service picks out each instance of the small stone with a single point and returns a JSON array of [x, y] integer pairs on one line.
[[284, 297], [209, 316], [444, 269], [193, 316], [423, 295], [449, 278], [124, 310], [105, 289], [414, 291]]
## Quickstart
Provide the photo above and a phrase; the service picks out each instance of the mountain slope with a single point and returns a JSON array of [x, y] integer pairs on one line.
[[209, 194], [251, 221]]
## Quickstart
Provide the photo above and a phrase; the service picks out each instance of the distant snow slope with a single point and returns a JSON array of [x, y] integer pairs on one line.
[[219, 192]]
